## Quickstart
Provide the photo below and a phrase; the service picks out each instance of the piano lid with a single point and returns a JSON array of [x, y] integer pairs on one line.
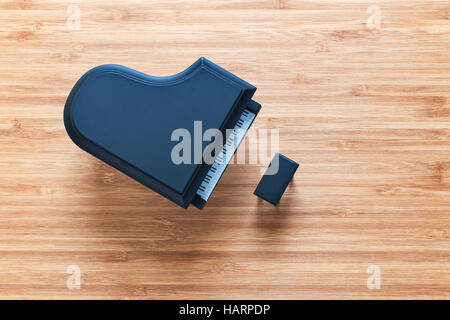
[[126, 118]]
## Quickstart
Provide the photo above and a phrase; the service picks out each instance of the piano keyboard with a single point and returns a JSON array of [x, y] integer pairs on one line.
[[225, 155]]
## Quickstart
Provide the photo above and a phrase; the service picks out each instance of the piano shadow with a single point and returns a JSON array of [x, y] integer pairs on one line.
[[138, 227]]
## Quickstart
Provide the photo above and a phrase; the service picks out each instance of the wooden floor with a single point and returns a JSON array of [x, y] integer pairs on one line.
[[359, 91]]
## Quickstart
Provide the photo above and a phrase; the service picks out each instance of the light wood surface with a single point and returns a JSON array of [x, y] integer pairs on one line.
[[363, 109]]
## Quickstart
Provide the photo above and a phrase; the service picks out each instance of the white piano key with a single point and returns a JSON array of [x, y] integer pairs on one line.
[[225, 155]]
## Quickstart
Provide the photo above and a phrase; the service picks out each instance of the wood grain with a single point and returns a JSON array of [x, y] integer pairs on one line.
[[365, 112]]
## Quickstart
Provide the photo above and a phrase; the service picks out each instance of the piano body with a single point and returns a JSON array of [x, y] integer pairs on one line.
[[126, 119]]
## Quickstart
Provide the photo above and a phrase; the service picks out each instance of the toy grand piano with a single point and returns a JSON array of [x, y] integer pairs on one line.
[[127, 118]]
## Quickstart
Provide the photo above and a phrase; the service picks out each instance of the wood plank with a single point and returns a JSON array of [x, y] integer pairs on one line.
[[365, 111]]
